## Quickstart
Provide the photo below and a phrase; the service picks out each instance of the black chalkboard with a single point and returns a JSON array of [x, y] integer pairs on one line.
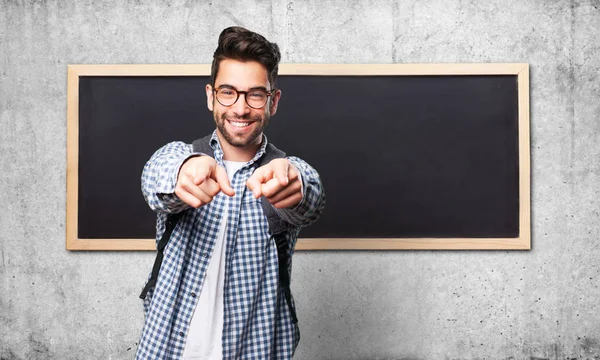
[[411, 156], [400, 156]]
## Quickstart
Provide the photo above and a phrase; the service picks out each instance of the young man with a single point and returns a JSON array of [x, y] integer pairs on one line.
[[218, 293]]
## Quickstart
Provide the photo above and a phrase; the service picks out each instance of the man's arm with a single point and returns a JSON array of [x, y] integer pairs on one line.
[[159, 177], [175, 179]]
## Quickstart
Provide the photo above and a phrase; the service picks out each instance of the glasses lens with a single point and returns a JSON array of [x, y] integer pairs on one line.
[[256, 99], [227, 96]]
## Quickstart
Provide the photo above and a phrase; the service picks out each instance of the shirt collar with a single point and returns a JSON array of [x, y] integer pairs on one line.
[[218, 150]]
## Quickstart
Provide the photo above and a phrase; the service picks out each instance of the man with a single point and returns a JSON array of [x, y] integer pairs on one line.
[[218, 293]]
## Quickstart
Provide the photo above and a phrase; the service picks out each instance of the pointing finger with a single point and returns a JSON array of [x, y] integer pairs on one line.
[[255, 186], [255, 181], [220, 175]]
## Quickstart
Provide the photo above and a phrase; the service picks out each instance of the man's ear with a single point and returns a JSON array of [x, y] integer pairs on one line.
[[209, 97], [275, 102]]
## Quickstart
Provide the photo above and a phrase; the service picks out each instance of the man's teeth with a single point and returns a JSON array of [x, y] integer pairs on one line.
[[239, 124]]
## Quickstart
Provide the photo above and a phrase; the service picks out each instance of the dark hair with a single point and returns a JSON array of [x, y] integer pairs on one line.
[[241, 44]]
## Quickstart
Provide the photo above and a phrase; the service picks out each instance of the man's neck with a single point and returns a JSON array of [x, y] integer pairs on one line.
[[241, 154]]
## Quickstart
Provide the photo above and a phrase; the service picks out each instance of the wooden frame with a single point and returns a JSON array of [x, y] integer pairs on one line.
[[523, 242]]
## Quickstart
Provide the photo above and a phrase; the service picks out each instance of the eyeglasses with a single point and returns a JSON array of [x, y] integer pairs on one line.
[[256, 99]]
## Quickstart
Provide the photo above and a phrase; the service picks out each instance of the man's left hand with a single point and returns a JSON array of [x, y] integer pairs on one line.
[[278, 181]]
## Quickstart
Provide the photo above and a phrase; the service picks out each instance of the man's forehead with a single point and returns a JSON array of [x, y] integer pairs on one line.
[[242, 74]]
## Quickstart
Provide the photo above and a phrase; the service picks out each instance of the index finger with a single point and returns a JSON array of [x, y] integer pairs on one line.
[[255, 181], [220, 176]]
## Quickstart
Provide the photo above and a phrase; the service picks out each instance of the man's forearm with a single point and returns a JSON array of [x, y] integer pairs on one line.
[[159, 177]]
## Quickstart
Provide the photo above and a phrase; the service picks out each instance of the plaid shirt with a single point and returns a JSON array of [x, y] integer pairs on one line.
[[257, 322]]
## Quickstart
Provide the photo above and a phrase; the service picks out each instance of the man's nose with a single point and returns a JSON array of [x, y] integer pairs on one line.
[[240, 107]]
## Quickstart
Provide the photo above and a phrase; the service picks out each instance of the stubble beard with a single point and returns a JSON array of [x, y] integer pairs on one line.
[[237, 141]]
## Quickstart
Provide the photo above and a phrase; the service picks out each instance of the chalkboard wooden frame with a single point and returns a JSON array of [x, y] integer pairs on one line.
[[522, 242]]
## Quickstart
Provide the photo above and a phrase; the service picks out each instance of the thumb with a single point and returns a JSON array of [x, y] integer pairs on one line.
[[220, 176], [281, 173]]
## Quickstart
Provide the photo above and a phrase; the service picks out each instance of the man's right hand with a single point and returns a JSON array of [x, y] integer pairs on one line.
[[200, 179]]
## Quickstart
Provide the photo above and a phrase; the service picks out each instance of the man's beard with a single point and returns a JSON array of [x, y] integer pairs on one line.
[[237, 141]]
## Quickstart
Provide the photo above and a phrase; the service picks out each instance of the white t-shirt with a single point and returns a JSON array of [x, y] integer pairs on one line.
[[204, 339]]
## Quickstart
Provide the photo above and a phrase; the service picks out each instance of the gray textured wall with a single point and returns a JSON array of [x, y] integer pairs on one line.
[[542, 303]]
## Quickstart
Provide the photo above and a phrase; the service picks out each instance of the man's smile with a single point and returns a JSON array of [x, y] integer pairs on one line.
[[239, 124]]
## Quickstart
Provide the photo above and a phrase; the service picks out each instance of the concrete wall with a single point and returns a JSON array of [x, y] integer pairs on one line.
[[537, 304]]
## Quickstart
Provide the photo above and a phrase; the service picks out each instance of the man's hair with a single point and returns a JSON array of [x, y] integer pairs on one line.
[[241, 44]]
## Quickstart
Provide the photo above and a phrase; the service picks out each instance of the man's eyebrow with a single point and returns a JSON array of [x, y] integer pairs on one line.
[[259, 88], [263, 88]]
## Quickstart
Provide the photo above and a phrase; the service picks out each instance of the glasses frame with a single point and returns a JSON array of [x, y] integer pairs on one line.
[[239, 92]]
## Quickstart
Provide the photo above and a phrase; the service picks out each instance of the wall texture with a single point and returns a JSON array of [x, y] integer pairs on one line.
[[539, 304]]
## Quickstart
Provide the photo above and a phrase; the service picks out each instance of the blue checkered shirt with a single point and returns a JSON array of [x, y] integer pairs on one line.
[[257, 321]]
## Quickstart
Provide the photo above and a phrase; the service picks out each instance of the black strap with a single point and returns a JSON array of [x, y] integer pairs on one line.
[[276, 225], [202, 145], [284, 275], [172, 220]]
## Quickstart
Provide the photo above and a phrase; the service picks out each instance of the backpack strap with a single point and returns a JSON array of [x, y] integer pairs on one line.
[[203, 146], [277, 226], [172, 220]]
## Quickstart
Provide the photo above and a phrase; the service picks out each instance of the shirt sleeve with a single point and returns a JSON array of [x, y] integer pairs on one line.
[[159, 177], [312, 204]]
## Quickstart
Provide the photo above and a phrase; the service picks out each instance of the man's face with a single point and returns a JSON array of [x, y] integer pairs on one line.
[[239, 124]]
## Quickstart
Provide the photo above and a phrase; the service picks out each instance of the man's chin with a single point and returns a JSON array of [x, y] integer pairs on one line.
[[238, 144], [240, 141]]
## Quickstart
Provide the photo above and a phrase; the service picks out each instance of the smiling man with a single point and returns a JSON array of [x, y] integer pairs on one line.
[[230, 208]]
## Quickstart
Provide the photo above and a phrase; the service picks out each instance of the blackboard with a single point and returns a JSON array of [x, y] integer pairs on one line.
[[435, 158]]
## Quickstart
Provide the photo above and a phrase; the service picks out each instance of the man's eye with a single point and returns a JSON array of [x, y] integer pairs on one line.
[[257, 95], [227, 92]]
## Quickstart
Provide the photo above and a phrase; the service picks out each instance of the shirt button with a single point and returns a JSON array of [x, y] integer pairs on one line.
[[181, 333], [194, 294]]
